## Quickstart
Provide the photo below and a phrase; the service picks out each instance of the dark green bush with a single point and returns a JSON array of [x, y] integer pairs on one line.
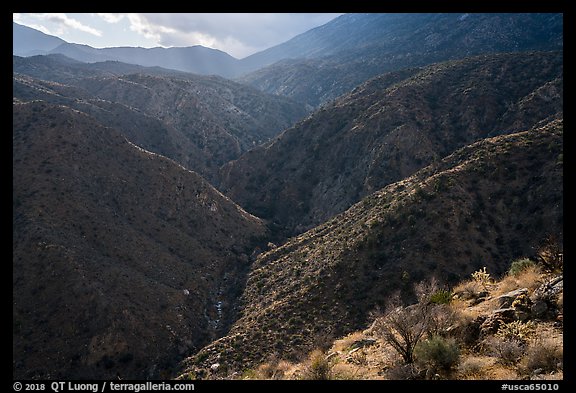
[[441, 296], [519, 265], [437, 353]]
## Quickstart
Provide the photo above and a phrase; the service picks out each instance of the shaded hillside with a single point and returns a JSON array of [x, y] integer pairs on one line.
[[332, 59], [123, 261], [387, 129], [201, 122], [482, 206]]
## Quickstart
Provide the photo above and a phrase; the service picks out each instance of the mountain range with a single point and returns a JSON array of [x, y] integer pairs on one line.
[[484, 205], [388, 128], [195, 59], [170, 224], [335, 57], [115, 272], [353, 48], [202, 122]]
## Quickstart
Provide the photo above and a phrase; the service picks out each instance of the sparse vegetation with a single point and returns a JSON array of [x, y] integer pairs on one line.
[[433, 171], [425, 340]]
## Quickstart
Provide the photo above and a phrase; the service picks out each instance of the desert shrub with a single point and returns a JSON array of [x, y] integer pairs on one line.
[[402, 327], [441, 296], [516, 331], [319, 366], [472, 367], [482, 277], [508, 352], [437, 353], [545, 354], [440, 318], [519, 266]]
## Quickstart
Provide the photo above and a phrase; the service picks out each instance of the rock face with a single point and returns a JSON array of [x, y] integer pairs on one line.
[[123, 261], [387, 129]]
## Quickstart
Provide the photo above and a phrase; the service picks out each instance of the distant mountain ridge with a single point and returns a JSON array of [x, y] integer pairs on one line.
[[195, 59], [28, 42], [340, 54], [331, 60]]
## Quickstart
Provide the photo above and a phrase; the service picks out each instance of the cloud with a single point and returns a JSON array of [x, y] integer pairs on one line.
[[64, 21], [111, 18], [238, 34], [18, 18], [141, 25]]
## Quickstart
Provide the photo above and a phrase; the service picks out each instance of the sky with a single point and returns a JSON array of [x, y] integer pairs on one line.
[[237, 34]]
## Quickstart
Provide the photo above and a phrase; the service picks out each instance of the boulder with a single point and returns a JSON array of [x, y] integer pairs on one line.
[[365, 342], [468, 333], [497, 319], [506, 300]]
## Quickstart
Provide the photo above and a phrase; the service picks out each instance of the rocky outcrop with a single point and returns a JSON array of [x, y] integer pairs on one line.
[[545, 298]]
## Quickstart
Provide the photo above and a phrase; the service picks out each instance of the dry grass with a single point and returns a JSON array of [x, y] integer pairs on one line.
[[538, 355], [348, 371], [318, 366], [545, 351], [468, 290], [530, 278], [270, 370], [463, 310], [475, 367], [346, 342]]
